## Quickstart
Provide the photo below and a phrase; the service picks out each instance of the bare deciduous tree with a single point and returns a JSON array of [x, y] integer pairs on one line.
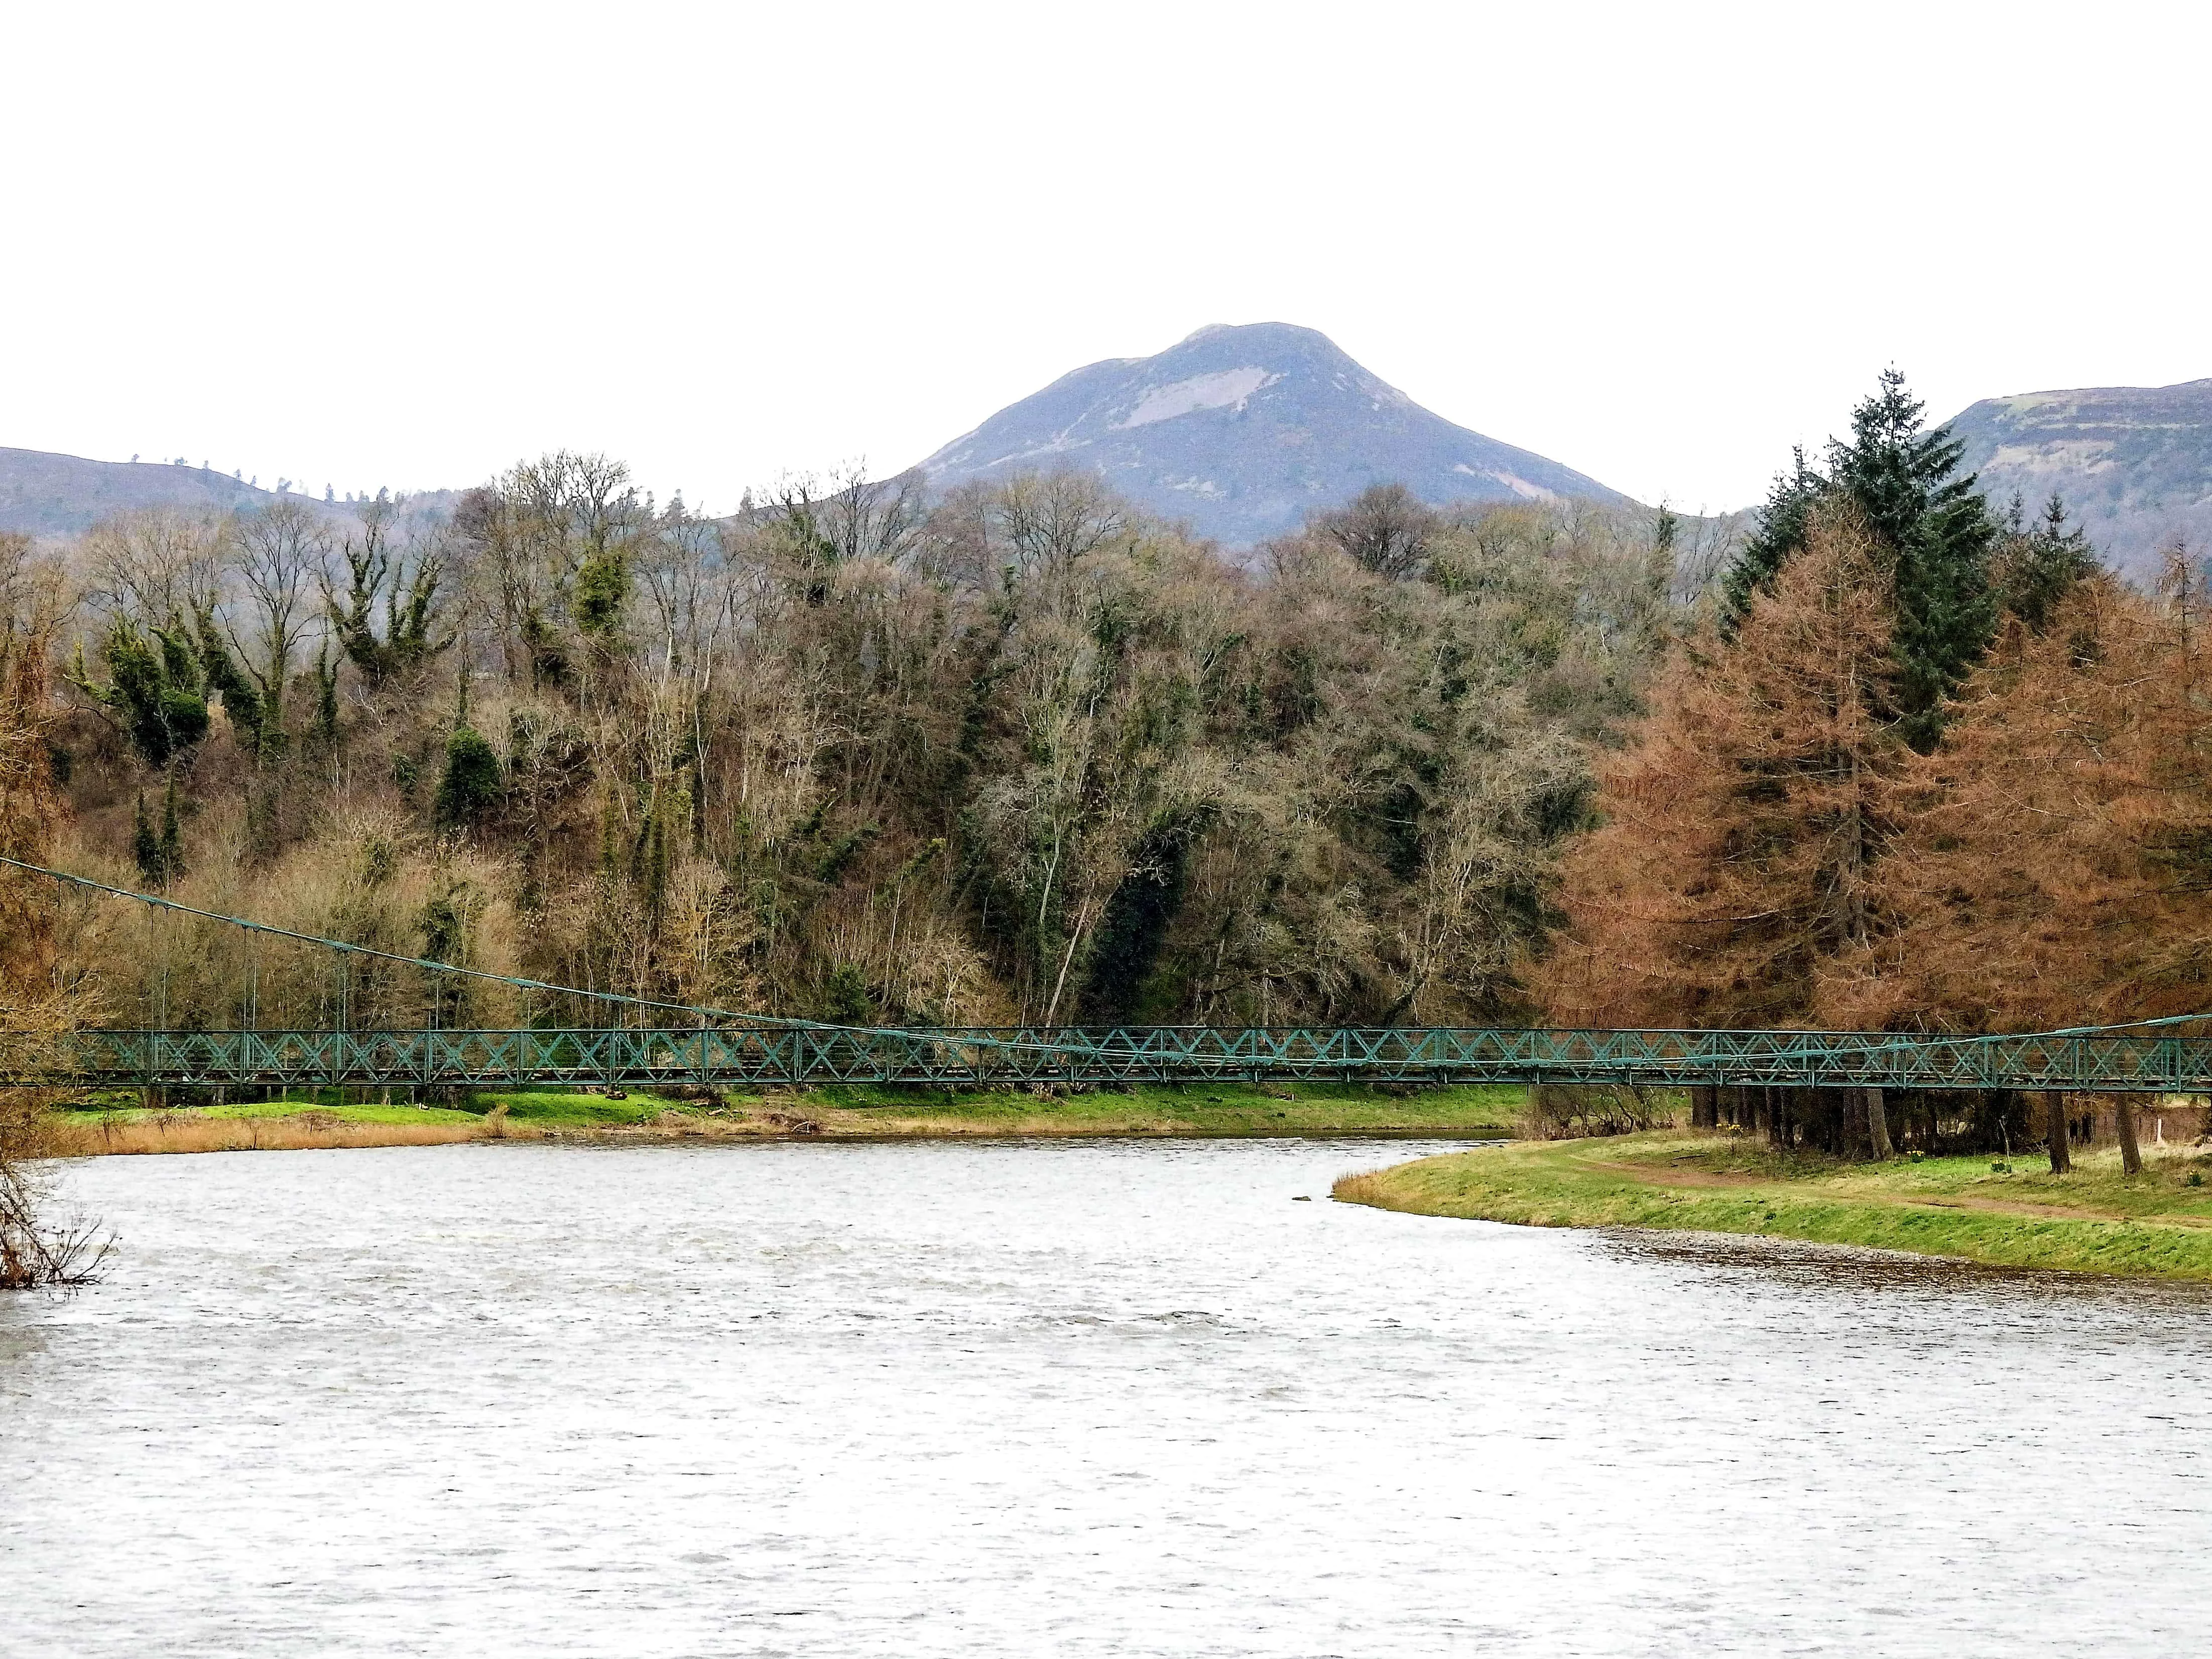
[[38, 1006], [1385, 527], [155, 566], [281, 560], [1048, 521]]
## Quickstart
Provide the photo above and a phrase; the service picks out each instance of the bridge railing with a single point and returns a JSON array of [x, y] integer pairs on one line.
[[801, 1053]]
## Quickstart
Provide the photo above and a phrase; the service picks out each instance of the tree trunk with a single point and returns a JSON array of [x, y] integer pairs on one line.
[[2123, 1114], [1763, 1112], [1703, 1114], [2054, 1127], [1877, 1126]]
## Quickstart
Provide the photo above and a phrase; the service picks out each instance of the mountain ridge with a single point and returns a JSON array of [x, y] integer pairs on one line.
[[2133, 464], [46, 494]]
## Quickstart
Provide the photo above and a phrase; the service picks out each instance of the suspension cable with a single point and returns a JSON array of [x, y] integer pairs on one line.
[[347, 947], [698, 1011]]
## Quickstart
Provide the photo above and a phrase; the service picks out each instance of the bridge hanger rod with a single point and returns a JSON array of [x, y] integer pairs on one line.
[[694, 1010], [1892, 1040], [512, 980]]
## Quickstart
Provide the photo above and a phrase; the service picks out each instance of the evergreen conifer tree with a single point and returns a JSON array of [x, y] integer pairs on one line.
[[1781, 532], [1936, 527], [1931, 526], [2036, 568], [145, 845]]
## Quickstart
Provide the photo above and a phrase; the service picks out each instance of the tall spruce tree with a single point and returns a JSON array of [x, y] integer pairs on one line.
[[1937, 529], [1934, 531], [2037, 566], [1781, 532]]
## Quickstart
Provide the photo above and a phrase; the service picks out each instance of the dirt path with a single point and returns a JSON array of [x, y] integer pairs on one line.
[[2051, 1212], [1651, 1175]]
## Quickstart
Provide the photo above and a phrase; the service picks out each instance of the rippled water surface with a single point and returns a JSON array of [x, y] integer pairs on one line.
[[1022, 1399]]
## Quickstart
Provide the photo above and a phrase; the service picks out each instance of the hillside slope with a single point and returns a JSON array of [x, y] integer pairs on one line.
[[48, 495], [44, 495], [2135, 463]]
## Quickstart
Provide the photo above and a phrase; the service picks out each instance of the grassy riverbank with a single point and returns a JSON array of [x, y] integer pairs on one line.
[[1221, 1109], [2007, 1213]]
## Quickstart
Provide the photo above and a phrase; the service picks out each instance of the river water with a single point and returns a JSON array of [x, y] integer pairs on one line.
[[1039, 1399]]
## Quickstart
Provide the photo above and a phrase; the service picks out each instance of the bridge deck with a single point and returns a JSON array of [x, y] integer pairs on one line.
[[801, 1054]]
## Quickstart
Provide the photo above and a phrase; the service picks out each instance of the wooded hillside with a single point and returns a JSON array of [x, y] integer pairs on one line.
[[1019, 755]]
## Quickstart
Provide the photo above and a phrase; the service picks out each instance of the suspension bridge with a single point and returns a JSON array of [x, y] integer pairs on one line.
[[672, 1044]]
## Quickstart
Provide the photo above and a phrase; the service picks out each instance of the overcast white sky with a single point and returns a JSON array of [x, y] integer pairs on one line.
[[406, 244]]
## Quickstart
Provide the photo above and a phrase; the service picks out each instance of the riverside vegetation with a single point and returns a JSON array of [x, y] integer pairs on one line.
[[1022, 755], [2096, 1218], [1927, 769]]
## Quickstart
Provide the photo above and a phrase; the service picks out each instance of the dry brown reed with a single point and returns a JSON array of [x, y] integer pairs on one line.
[[1367, 1187], [181, 1132]]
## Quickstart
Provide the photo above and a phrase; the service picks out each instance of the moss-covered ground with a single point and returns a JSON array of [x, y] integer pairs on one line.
[[2004, 1212]]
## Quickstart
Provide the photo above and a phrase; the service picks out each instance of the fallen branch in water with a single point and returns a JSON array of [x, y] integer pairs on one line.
[[36, 1253]]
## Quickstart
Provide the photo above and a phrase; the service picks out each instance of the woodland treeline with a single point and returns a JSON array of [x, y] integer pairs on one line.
[[1016, 754], [1907, 760], [1928, 767]]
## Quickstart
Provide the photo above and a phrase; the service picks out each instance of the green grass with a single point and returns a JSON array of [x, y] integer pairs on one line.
[[126, 1108], [572, 1109], [2016, 1215], [1225, 1109]]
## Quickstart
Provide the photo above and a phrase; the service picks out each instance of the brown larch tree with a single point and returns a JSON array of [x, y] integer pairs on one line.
[[2057, 868], [1740, 831]]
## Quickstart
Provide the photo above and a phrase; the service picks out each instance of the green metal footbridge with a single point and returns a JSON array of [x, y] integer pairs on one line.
[[709, 1056], [676, 1045]]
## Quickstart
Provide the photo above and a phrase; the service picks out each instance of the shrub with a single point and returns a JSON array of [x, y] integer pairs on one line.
[[471, 787], [1567, 1112]]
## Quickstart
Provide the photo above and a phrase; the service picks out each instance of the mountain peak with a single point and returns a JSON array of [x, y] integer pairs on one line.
[[1244, 429], [1257, 332]]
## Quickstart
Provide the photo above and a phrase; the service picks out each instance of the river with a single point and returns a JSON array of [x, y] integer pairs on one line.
[[1026, 1398]]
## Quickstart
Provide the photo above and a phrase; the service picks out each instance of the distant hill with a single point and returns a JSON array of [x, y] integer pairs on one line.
[[2135, 463], [1244, 432], [65, 495], [44, 495]]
